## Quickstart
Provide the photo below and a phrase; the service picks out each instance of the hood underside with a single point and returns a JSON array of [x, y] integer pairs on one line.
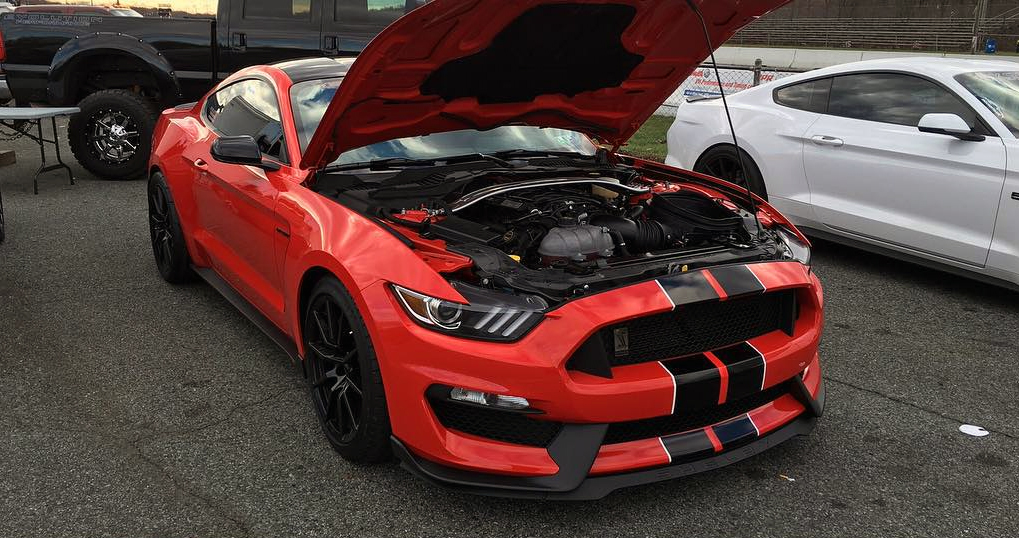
[[594, 66]]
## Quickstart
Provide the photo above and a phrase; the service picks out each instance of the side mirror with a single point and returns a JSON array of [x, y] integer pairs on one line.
[[948, 124], [240, 150]]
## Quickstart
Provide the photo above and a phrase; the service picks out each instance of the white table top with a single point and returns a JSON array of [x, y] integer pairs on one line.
[[32, 113]]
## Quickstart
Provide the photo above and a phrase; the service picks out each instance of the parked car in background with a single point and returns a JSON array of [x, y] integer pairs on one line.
[[917, 158], [60, 9], [121, 71], [471, 282]]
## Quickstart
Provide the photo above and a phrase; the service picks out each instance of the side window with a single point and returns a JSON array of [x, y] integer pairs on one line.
[[380, 13], [249, 107], [183, 8], [894, 98], [811, 96], [277, 9]]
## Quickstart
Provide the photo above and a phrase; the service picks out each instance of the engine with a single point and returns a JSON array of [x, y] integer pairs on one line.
[[581, 227]]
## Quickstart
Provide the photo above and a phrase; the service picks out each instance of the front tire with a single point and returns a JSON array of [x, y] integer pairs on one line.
[[168, 245], [723, 162], [112, 135], [343, 372]]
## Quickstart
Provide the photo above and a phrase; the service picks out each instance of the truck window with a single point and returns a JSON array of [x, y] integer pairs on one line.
[[249, 107], [371, 12], [277, 9], [185, 8]]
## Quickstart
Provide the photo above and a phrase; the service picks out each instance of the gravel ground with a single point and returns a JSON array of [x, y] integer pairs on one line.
[[133, 408]]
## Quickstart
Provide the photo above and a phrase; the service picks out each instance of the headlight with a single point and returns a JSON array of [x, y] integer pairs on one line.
[[489, 315], [794, 248]]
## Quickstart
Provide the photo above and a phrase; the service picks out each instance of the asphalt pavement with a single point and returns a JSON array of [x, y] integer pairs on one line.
[[130, 408]]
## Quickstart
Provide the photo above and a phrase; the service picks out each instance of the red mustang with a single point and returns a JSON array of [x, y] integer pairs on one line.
[[473, 283]]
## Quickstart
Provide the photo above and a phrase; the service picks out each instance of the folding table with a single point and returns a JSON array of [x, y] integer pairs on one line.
[[10, 116]]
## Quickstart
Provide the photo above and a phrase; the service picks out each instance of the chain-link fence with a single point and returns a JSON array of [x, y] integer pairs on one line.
[[734, 79]]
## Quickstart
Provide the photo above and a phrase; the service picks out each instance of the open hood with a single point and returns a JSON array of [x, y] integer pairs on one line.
[[601, 67]]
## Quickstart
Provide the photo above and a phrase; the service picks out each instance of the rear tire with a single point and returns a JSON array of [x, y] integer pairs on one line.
[[168, 245], [723, 162], [112, 135], [344, 376]]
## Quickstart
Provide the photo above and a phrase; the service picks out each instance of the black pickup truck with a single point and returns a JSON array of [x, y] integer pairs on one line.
[[122, 70]]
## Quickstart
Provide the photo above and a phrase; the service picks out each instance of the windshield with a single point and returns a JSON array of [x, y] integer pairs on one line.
[[310, 100], [998, 91], [124, 12]]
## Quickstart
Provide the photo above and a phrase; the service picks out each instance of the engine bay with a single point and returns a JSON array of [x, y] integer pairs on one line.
[[564, 234], [579, 226]]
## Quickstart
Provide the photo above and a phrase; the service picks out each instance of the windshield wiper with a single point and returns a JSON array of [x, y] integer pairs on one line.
[[466, 158], [400, 162], [381, 164], [510, 153], [498, 157]]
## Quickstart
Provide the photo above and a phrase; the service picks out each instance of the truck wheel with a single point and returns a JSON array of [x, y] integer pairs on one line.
[[112, 135]]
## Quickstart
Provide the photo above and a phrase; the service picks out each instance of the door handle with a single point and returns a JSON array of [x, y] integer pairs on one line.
[[239, 41], [200, 164], [330, 43], [825, 140]]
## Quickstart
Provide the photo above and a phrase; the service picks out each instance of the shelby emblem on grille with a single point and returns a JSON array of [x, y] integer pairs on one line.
[[621, 337]]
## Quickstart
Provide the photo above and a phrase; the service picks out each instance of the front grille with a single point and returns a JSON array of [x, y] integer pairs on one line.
[[697, 327], [686, 420], [495, 424]]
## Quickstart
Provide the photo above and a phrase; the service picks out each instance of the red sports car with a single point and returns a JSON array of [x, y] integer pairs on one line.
[[443, 234]]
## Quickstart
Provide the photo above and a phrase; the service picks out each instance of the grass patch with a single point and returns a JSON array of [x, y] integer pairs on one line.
[[649, 141]]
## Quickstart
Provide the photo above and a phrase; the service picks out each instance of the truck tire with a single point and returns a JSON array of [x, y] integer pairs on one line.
[[112, 135]]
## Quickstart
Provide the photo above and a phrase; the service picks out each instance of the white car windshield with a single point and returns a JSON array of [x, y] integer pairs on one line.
[[310, 100], [998, 91]]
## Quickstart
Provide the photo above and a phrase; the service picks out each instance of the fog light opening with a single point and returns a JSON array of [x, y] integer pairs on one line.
[[500, 401]]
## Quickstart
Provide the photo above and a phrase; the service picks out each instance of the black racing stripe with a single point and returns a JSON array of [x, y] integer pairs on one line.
[[698, 382], [687, 288], [736, 432], [737, 280], [692, 445], [746, 370]]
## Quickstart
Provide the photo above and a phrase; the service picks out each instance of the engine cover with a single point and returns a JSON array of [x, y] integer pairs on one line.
[[576, 243]]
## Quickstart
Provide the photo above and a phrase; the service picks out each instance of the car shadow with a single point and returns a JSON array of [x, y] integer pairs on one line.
[[833, 259]]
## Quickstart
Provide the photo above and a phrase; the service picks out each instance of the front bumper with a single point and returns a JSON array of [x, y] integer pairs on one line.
[[595, 410], [571, 451]]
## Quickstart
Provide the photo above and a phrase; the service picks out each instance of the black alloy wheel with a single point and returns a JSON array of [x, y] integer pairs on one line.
[[346, 385], [723, 162], [168, 245]]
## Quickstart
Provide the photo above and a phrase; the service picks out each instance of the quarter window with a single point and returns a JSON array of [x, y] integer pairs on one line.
[[811, 96], [249, 107], [894, 98]]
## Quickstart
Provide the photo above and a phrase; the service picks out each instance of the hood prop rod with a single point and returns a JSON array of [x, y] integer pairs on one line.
[[728, 115]]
